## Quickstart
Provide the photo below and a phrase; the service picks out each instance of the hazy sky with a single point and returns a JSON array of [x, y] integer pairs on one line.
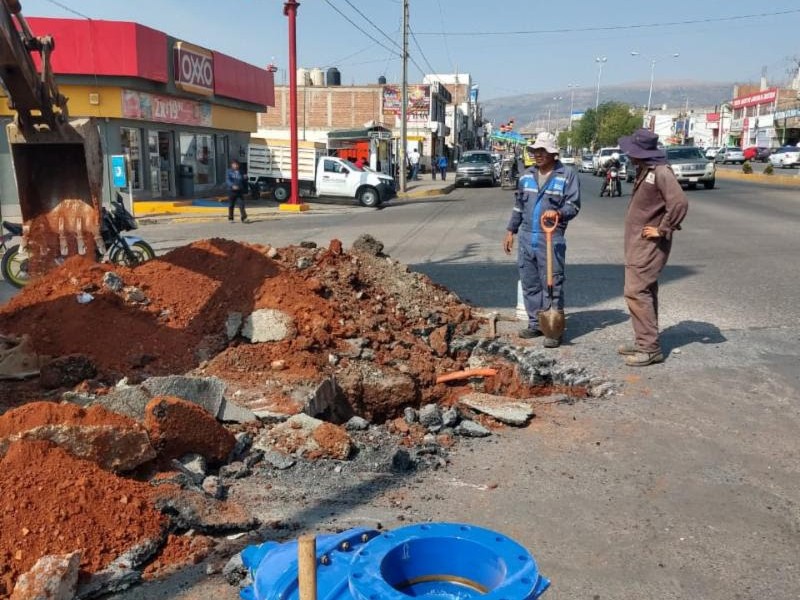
[[508, 64]]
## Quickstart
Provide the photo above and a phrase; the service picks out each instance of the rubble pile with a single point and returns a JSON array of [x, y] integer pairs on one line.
[[219, 361]]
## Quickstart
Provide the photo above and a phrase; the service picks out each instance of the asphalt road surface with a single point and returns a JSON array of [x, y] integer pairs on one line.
[[686, 485]]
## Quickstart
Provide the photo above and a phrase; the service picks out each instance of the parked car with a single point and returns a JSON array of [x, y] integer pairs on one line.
[[729, 155], [476, 167], [785, 157], [691, 167], [566, 159], [586, 164], [711, 152]]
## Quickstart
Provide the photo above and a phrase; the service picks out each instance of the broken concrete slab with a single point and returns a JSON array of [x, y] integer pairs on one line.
[[469, 428], [208, 392], [114, 442], [501, 408], [128, 400], [112, 281], [213, 487], [357, 424], [194, 510], [307, 437], [233, 324], [230, 412], [268, 325], [430, 416], [53, 577], [278, 460], [329, 403], [194, 465]]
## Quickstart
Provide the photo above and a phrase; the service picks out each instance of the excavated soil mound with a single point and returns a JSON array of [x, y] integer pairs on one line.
[[177, 427], [53, 503], [38, 414]]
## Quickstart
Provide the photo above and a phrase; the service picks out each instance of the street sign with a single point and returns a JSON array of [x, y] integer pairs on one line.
[[118, 171]]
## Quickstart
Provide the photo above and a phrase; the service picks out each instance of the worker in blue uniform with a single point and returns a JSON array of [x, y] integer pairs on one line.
[[548, 189]]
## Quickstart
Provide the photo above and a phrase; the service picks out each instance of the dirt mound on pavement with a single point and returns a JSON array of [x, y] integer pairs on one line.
[[53, 503]]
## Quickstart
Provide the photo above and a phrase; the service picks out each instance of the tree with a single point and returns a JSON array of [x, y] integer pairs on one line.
[[606, 125]]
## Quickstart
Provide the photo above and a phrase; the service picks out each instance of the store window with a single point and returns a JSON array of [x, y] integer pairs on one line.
[[198, 152], [131, 143]]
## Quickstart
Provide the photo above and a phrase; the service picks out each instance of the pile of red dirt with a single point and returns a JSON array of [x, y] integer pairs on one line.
[[54, 503], [179, 551], [333, 298]]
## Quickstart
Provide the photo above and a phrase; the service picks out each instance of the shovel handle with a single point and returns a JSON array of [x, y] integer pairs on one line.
[[549, 225], [307, 567]]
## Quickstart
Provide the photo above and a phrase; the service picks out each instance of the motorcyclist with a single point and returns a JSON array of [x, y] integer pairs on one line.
[[613, 162]]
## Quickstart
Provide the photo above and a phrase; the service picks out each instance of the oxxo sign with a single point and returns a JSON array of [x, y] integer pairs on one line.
[[194, 69]]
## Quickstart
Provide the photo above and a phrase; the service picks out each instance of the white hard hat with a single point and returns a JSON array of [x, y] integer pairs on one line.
[[615, 156]]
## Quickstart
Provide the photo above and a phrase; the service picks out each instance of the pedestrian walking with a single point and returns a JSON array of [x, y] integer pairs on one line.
[[414, 164], [657, 208], [235, 184], [551, 190], [442, 166]]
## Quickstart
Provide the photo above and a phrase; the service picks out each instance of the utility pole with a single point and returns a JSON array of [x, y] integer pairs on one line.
[[290, 10], [404, 103]]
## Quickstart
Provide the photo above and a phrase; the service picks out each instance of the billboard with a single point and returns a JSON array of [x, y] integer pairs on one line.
[[419, 101], [165, 109], [764, 97]]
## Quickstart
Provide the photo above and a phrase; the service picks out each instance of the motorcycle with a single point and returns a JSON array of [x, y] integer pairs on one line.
[[612, 184], [120, 249]]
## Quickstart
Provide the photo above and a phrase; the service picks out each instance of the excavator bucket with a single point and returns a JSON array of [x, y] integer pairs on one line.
[[59, 177]]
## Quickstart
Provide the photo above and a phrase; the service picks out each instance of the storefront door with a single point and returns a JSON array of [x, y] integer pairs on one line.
[[162, 163]]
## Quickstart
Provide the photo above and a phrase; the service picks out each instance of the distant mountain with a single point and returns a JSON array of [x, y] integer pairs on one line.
[[529, 109]]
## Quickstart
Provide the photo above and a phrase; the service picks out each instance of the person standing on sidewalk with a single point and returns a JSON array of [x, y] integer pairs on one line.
[[657, 208], [551, 190], [235, 183], [441, 164], [415, 164]]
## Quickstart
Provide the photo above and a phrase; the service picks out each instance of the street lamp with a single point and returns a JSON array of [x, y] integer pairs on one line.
[[571, 87], [600, 60], [653, 62], [550, 109]]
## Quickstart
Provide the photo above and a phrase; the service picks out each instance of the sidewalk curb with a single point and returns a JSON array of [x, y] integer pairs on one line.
[[786, 180], [426, 193]]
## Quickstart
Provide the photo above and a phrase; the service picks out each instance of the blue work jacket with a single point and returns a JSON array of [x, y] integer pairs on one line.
[[561, 192]]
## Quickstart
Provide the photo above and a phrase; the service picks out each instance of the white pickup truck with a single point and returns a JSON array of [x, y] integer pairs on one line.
[[269, 170]]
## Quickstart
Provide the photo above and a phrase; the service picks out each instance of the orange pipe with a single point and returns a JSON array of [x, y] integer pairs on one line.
[[466, 374]]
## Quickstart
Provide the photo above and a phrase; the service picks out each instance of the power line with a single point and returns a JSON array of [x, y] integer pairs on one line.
[[444, 37], [368, 20], [68, 9], [425, 58], [615, 27], [357, 26]]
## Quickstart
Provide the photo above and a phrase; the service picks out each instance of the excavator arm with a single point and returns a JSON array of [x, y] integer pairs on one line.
[[58, 164]]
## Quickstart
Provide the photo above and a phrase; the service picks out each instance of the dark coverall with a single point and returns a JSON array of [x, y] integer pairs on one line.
[[561, 192], [234, 181], [657, 201]]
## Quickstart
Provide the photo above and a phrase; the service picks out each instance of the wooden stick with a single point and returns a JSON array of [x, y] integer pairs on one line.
[[466, 374], [307, 566]]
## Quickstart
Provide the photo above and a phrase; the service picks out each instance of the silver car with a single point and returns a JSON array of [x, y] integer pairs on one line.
[[691, 166], [476, 167], [729, 155], [587, 163]]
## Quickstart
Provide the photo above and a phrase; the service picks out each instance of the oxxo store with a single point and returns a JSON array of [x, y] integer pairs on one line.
[[180, 113]]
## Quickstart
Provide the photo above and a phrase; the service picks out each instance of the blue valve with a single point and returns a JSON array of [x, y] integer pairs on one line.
[[442, 561]]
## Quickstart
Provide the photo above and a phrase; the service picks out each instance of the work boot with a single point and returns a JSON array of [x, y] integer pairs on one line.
[[643, 359], [627, 349], [529, 333], [551, 342]]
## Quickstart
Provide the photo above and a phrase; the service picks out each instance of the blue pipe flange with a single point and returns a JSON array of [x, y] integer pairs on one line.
[[274, 566], [444, 560]]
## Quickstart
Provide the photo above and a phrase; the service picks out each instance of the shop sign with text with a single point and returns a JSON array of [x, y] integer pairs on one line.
[[194, 69], [163, 109]]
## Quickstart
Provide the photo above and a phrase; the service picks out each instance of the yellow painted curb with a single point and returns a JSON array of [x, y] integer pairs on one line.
[[173, 208], [286, 207], [788, 180]]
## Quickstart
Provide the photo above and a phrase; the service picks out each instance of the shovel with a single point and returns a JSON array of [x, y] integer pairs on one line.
[[551, 321]]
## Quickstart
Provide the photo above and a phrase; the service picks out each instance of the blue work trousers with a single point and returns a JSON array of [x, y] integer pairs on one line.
[[532, 263]]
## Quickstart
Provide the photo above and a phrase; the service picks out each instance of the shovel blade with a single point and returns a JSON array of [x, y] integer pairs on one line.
[[551, 323]]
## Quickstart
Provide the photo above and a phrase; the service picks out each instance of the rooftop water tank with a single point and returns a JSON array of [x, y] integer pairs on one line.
[[317, 77], [381, 80], [334, 77], [303, 77]]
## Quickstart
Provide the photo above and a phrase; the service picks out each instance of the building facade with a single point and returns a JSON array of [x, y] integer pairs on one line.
[[766, 117], [179, 112]]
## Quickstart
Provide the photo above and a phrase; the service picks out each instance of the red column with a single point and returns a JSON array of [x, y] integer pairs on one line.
[[290, 10]]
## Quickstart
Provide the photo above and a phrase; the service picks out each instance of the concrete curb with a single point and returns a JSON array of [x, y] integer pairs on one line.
[[786, 180], [429, 193]]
